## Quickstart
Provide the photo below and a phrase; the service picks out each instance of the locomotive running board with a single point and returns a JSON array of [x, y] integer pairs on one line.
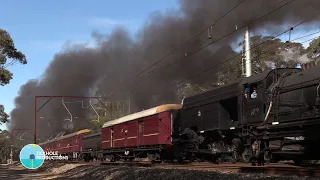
[[288, 152], [291, 124], [205, 151]]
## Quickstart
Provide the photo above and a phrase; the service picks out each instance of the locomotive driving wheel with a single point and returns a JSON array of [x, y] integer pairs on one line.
[[155, 158], [113, 158], [246, 155], [214, 159], [298, 161], [191, 158], [235, 157], [267, 156]]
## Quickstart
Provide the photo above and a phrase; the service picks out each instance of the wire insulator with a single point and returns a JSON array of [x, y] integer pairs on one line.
[[210, 32]]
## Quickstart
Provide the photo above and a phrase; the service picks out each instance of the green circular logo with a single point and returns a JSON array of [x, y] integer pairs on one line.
[[32, 156]]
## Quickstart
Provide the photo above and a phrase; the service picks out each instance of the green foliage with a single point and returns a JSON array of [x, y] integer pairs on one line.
[[3, 115], [189, 89], [230, 72], [102, 120], [4, 146], [7, 52], [108, 111], [313, 51], [5, 76], [266, 50]]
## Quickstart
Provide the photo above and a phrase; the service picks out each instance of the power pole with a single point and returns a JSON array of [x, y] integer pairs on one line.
[[243, 59], [247, 52], [11, 154]]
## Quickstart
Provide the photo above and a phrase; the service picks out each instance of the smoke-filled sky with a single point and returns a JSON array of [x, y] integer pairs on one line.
[[117, 56]]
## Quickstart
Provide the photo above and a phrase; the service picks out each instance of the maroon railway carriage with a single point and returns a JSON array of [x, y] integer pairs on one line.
[[70, 145], [139, 135]]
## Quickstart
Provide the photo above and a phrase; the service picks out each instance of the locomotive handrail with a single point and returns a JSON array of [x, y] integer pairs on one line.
[[317, 102], [273, 90], [268, 112], [183, 100], [273, 86], [318, 90]]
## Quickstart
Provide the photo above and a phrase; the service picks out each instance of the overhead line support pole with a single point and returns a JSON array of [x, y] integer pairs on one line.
[[248, 53]]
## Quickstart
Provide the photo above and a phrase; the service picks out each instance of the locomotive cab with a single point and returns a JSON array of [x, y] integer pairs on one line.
[[253, 103], [255, 108], [255, 97]]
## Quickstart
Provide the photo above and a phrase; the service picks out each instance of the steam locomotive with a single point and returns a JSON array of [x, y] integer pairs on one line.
[[224, 124]]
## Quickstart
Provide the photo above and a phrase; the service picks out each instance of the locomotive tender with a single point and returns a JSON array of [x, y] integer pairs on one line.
[[280, 123]]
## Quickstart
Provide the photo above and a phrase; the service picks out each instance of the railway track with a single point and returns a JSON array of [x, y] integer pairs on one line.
[[271, 169]]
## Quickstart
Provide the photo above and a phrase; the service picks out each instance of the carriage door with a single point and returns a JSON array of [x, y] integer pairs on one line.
[[112, 137], [140, 133]]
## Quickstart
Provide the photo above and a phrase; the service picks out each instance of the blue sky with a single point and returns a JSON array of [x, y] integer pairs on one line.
[[40, 28]]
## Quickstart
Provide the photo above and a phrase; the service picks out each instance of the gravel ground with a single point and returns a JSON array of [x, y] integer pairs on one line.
[[77, 171], [59, 171]]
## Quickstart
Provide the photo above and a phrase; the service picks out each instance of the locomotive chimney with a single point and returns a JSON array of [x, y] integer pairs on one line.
[[247, 52]]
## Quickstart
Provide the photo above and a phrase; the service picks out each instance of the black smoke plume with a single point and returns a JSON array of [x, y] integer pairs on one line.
[[82, 71]]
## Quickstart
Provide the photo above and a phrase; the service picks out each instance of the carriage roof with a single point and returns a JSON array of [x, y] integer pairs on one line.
[[66, 136], [144, 113]]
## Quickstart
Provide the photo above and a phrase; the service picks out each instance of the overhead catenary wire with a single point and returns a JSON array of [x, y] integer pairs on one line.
[[267, 55], [190, 52], [118, 90], [228, 34], [301, 37], [261, 57], [306, 36], [229, 59], [167, 55], [188, 41], [249, 49], [228, 68], [295, 40]]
